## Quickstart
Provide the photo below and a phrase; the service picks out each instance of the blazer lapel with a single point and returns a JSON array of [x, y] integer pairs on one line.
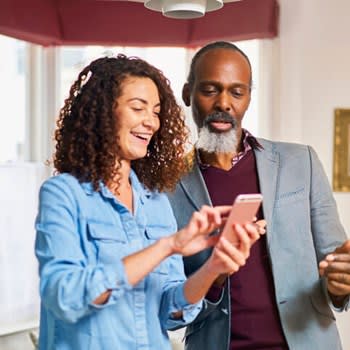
[[194, 186], [267, 161]]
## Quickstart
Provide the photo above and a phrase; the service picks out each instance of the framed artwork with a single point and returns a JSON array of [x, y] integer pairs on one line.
[[341, 156]]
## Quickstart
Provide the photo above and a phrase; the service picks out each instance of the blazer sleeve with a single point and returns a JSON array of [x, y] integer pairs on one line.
[[328, 232]]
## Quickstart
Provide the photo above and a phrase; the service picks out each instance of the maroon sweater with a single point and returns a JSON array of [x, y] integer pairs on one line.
[[255, 322]]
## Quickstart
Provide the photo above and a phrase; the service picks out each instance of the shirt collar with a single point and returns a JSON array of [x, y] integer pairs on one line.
[[251, 140], [136, 184]]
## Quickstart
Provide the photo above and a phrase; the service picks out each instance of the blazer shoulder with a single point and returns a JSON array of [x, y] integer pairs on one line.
[[287, 148]]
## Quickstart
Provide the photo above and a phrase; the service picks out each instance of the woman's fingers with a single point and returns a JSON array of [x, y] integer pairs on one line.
[[232, 251], [207, 219], [244, 240], [226, 258], [202, 223]]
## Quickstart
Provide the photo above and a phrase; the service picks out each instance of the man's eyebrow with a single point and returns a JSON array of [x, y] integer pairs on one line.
[[217, 83], [209, 82], [242, 85]]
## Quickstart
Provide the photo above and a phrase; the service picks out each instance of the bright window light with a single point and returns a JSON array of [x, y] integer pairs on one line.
[[12, 99]]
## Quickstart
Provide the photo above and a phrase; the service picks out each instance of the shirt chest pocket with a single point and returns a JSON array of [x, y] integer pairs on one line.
[[109, 241], [153, 234]]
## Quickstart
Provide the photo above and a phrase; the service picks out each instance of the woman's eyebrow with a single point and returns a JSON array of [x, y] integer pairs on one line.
[[143, 101], [137, 99]]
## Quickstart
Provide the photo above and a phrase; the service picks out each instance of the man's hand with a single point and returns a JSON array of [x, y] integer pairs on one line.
[[336, 267]]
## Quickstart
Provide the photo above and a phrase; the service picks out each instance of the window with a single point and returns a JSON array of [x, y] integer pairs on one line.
[[174, 62], [251, 120], [12, 98]]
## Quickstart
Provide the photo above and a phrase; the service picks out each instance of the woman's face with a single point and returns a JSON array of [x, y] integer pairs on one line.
[[137, 114]]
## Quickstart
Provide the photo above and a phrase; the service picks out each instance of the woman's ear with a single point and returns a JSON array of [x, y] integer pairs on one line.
[[186, 95]]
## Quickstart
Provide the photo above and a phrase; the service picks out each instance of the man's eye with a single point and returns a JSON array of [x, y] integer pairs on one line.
[[208, 91], [238, 93]]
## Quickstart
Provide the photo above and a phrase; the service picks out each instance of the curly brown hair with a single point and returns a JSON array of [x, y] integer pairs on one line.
[[86, 142]]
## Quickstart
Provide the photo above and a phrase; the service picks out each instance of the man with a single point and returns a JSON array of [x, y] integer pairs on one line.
[[280, 299]]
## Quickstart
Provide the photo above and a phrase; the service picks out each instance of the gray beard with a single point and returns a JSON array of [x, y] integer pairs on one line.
[[211, 142]]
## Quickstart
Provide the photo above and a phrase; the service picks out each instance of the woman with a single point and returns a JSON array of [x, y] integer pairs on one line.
[[111, 274]]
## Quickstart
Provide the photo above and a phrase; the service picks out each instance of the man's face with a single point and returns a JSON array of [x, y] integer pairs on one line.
[[220, 94]]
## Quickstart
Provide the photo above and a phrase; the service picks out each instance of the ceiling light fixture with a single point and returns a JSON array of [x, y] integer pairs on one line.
[[185, 9]]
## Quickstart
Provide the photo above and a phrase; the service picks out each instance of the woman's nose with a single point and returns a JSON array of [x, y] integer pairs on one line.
[[151, 120]]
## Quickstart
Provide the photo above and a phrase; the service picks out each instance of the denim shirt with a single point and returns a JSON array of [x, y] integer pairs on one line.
[[82, 236]]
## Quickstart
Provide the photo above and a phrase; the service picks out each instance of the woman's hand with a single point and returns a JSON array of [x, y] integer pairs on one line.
[[231, 253], [228, 256], [195, 236]]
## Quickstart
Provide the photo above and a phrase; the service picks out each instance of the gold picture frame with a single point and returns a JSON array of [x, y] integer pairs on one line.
[[341, 155]]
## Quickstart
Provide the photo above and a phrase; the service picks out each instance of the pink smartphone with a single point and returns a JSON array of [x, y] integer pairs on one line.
[[244, 209]]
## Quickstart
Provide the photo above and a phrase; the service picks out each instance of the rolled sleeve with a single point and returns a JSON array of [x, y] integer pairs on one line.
[[113, 278], [189, 311]]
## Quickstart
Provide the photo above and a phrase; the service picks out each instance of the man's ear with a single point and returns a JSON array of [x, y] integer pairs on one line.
[[186, 95]]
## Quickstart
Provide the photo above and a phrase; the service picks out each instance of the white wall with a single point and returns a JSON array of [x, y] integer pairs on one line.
[[311, 77], [19, 296]]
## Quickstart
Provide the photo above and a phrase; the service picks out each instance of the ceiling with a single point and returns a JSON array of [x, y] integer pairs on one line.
[[103, 22]]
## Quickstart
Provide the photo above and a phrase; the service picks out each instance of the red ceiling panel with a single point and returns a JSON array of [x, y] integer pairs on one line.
[[32, 20], [87, 22]]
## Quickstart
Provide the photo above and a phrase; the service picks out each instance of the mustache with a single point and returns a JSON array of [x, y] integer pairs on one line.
[[220, 117]]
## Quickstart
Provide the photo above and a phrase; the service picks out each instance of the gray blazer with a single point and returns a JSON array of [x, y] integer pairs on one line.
[[302, 227]]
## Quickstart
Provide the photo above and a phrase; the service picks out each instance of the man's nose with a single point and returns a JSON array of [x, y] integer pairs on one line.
[[224, 102]]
